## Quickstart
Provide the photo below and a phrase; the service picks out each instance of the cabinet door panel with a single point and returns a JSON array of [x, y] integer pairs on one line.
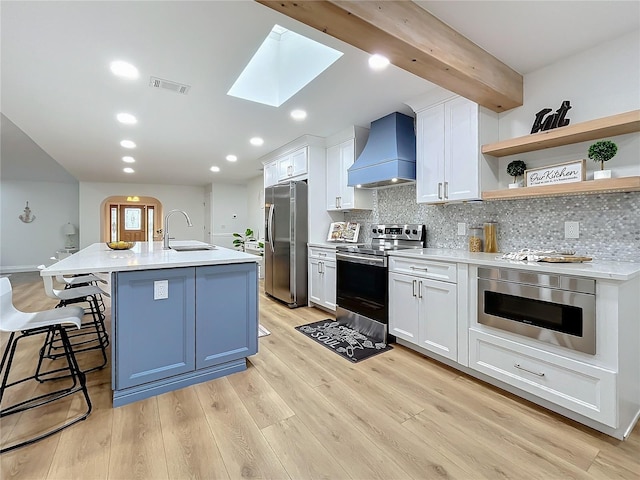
[[226, 313], [316, 293], [334, 175], [430, 155], [299, 162], [403, 307], [329, 274], [154, 338], [439, 318], [346, 160], [270, 174], [461, 157]]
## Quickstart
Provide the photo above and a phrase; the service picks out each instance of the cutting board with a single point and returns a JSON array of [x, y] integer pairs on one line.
[[565, 259]]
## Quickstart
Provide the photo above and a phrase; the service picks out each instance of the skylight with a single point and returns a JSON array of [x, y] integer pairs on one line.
[[282, 66]]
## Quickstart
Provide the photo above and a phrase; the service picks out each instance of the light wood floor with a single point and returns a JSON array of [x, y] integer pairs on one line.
[[300, 411]]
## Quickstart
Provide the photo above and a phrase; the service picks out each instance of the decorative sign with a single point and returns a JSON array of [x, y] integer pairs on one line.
[[343, 232], [569, 172], [27, 216], [552, 121]]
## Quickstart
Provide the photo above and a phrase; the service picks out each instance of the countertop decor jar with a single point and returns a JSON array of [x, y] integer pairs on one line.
[[490, 237], [475, 239]]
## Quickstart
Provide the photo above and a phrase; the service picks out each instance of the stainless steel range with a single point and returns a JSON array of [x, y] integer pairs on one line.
[[362, 282]]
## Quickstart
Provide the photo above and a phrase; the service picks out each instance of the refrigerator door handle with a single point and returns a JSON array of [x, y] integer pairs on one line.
[[270, 227]]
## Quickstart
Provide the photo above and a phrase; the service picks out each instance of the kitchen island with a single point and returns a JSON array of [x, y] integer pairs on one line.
[[177, 317]]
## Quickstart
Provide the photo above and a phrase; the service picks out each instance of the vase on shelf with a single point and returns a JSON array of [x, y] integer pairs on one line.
[[517, 184], [601, 174]]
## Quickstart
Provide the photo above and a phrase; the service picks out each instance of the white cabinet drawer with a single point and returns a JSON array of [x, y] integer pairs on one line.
[[322, 253], [579, 387], [424, 268]]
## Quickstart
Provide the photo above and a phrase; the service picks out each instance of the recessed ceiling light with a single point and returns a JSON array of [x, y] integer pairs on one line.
[[128, 159], [378, 62], [298, 114], [123, 69], [257, 141], [358, 186], [231, 158], [215, 169], [128, 170], [394, 180], [127, 144], [126, 118]]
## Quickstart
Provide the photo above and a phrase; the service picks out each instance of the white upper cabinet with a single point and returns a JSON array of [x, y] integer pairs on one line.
[[291, 166], [340, 156], [270, 174], [449, 164]]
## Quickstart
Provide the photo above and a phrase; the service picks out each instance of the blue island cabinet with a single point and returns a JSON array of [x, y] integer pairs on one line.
[[204, 329]]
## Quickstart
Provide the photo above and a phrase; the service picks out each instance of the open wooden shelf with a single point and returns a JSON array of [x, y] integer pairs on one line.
[[619, 124], [611, 185]]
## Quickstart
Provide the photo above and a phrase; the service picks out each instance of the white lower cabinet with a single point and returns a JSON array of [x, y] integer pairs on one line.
[[322, 277], [580, 387], [424, 311]]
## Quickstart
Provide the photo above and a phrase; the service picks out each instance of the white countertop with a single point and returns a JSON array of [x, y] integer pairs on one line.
[[144, 256], [595, 269], [331, 245]]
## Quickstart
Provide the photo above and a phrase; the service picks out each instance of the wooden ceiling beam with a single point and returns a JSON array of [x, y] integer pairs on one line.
[[415, 41]]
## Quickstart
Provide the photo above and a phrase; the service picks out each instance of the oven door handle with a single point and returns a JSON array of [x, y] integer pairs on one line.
[[382, 261]]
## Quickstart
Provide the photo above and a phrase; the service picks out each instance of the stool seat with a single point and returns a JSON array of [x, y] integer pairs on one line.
[[14, 320], [79, 279], [79, 292]]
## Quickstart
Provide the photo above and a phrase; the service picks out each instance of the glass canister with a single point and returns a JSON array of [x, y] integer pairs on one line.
[[475, 239], [491, 237]]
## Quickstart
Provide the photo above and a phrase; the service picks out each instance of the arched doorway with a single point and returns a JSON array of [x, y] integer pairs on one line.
[[131, 218]]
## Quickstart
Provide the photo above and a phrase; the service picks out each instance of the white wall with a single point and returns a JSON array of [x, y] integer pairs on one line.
[[599, 82], [255, 206], [23, 246], [187, 198], [229, 212]]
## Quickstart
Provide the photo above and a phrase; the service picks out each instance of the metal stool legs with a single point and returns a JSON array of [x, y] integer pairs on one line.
[[91, 336], [78, 382]]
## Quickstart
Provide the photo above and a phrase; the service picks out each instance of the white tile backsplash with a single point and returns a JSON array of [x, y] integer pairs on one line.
[[609, 223]]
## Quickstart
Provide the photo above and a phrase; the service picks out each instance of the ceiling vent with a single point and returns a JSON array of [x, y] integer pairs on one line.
[[176, 87]]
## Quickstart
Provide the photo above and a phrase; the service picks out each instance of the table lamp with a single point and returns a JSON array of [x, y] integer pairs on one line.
[[69, 230]]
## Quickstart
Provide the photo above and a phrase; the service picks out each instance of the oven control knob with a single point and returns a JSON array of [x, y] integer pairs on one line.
[[374, 230], [379, 230], [407, 232], [415, 232]]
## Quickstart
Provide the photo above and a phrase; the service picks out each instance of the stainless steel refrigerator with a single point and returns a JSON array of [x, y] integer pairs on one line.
[[285, 249]]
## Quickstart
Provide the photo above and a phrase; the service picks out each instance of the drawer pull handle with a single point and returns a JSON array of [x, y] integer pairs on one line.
[[419, 268], [539, 374], [322, 254]]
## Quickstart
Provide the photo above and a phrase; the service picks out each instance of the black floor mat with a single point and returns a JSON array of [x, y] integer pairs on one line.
[[348, 343]]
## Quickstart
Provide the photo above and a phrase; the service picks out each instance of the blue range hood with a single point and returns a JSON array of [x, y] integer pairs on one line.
[[389, 157]]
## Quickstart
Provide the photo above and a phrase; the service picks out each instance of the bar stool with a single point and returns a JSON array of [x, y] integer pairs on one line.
[[81, 281], [92, 334], [22, 325]]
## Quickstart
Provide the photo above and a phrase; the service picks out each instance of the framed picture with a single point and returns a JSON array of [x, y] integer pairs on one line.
[[575, 171], [343, 232]]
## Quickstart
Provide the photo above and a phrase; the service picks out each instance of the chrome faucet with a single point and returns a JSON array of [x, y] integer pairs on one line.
[[166, 226]]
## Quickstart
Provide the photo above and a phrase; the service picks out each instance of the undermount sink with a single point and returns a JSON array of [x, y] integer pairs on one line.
[[192, 248]]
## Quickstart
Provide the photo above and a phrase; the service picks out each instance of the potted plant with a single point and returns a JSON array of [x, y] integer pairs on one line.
[[602, 151], [515, 169], [240, 240]]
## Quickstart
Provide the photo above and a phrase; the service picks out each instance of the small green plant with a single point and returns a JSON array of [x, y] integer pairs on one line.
[[516, 168], [602, 151], [240, 240]]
